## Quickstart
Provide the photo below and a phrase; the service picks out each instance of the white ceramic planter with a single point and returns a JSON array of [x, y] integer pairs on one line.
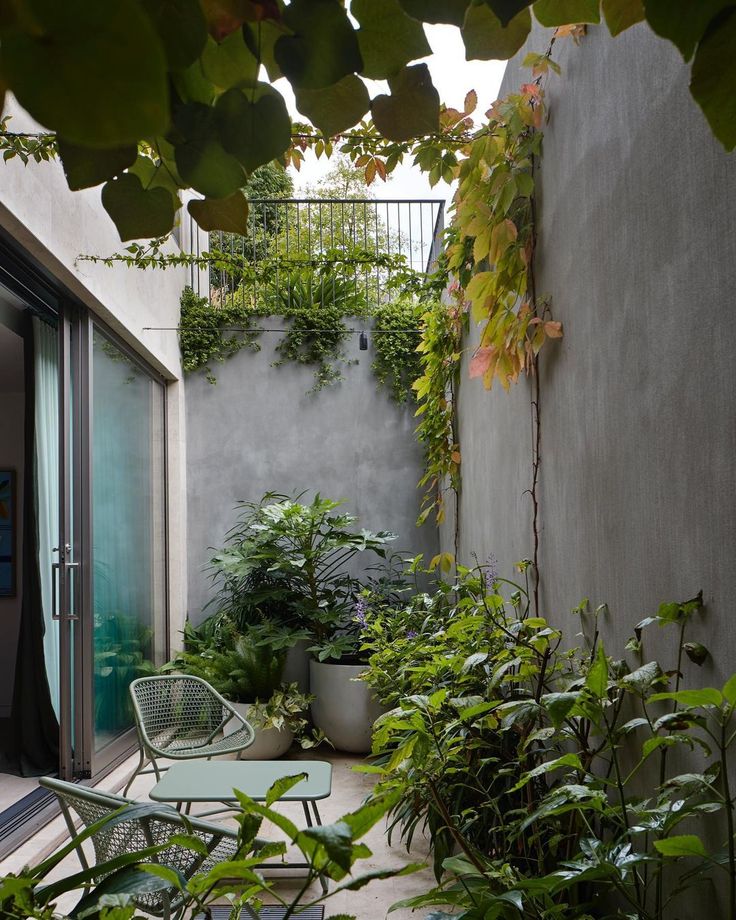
[[269, 744], [296, 669], [345, 709]]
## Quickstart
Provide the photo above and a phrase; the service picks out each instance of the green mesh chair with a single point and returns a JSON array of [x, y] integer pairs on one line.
[[136, 827], [179, 717]]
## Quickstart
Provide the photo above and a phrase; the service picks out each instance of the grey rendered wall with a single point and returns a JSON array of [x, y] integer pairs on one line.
[[257, 429], [638, 254]]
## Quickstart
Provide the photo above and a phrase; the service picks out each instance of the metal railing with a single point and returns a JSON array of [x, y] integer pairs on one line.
[[350, 251]]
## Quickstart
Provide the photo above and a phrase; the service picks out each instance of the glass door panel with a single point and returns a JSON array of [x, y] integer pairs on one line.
[[128, 532]]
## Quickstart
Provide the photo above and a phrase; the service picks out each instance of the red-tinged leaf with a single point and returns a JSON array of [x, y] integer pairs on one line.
[[471, 102], [504, 234], [225, 16], [530, 89], [455, 456], [480, 361], [553, 330]]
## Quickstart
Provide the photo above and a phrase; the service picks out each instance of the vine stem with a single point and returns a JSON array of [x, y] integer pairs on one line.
[[536, 418]]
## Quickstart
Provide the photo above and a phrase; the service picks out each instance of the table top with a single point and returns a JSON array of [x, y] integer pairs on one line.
[[215, 780]]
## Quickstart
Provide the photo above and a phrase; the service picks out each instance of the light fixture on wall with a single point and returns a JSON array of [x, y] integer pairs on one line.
[[363, 344]]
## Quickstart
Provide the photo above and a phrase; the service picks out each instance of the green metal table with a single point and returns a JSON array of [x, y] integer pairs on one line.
[[192, 781]]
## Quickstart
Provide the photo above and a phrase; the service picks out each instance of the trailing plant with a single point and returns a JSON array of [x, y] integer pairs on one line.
[[396, 362], [527, 760]]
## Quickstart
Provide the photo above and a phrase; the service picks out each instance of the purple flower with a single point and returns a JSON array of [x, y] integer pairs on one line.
[[491, 573], [411, 634], [361, 609]]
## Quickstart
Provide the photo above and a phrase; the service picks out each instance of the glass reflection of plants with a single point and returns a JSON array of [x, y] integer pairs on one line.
[[123, 652]]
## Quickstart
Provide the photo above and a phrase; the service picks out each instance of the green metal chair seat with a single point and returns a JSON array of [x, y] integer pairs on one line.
[[135, 828], [180, 717]]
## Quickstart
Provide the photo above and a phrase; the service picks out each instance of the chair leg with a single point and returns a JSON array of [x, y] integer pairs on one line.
[[141, 763]]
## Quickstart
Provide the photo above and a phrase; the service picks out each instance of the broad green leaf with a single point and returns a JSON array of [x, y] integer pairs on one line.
[[708, 696], [129, 880], [191, 85], [255, 132], [558, 705], [696, 652], [282, 786], [337, 840], [683, 22], [567, 760], [565, 12], [85, 167], [201, 158], [138, 213], [225, 16], [714, 76], [729, 690], [486, 39], [94, 72], [323, 47], [388, 38], [450, 11], [182, 28], [228, 214], [643, 679], [261, 40], [506, 10], [597, 679], [684, 845], [365, 817], [621, 14], [412, 109], [335, 108], [229, 63]]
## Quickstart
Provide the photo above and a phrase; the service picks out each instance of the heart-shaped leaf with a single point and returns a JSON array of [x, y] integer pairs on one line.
[[486, 39], [323, 47], [229, 63], [507, 9], [713, 76], [451, 11], [388, 38], [621, 14], [564, 12], [255, 132], [138, 213], [225, 16], [336, 108], [228, 214], [94, 72], [412, 109], [682, 21], [85, 167], [182, 28], [201, 160]]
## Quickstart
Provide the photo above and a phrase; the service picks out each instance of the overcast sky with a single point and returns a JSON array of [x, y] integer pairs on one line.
[[454, 77]]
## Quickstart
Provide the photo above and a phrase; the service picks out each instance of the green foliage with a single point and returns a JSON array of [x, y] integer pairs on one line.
[[396, 362], [523, 758]]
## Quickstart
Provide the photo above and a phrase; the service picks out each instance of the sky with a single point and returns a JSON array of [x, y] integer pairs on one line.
[[453, 77]]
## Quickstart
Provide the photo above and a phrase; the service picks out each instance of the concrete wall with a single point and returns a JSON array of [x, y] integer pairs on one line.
[[257, 429]]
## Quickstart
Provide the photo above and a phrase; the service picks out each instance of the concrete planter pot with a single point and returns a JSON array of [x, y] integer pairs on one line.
[[344, 708], [269, 743], [296, 669]]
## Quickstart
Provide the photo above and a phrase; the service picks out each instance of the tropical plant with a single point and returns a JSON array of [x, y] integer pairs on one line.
[[305, 549], [526, 760]]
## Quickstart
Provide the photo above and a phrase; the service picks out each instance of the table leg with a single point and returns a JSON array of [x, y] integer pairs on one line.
[[305, 805]]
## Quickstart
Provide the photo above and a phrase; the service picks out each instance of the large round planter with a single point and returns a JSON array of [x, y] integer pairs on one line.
[[296, 669], [344, 708], [269, 743]]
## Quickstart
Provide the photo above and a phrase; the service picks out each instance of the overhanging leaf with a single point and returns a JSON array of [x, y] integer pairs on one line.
[[412, 109], [323, 47], [201, 158], [450, 11], [337, 107], [85, 167], [388, 38], [94, 72], [684, 845], [486, 38], [337, 841], [282, 786], [713, 77], [682, 21], [182, 28], [228, 214], [138, 213], [254, 127], [621, 14], [597, 679], [229, 62], [564, 12], [507, 9], [225, 16]]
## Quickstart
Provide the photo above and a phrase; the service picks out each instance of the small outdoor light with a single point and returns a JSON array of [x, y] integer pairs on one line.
[[363, 341]]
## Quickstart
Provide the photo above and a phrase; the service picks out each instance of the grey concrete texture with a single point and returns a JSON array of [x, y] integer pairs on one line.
[[258, 429]]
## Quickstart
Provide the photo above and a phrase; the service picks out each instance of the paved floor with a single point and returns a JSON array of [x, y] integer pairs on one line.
[[349, 789]]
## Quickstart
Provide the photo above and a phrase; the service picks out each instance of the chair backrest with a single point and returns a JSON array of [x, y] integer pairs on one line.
[[135, 828], [179, 703]]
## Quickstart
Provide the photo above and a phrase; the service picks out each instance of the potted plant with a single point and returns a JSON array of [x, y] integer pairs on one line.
[[247, 669], [299, 555]]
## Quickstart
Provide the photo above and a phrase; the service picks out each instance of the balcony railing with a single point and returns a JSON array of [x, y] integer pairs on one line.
[[327, 249]]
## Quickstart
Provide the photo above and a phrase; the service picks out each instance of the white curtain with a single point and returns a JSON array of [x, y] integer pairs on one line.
[[47, 484]]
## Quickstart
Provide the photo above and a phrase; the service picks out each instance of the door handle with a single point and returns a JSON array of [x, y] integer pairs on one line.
[[55, 568]]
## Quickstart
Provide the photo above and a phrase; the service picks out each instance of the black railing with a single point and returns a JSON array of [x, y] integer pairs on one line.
[[326, 249]]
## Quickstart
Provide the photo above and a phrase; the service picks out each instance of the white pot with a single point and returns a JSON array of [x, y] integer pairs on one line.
[[345, 708], [269, 743], [296, 669]]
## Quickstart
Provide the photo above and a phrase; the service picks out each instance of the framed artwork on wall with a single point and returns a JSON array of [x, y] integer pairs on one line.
[[8, 533]]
